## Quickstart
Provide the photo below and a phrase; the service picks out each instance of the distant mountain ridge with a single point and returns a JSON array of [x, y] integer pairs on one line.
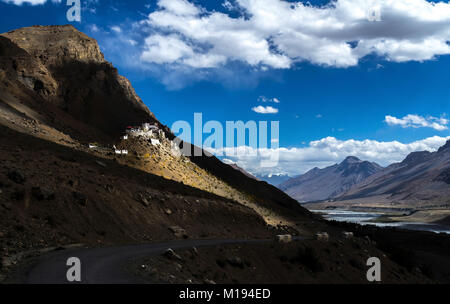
[[322, 184], [274, 179], [421, 177]]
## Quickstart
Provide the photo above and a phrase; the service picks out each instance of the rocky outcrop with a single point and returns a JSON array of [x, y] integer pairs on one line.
[[65, 69], [54, 45]]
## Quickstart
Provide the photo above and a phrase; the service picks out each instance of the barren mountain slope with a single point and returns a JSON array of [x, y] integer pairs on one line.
[[56, 85]]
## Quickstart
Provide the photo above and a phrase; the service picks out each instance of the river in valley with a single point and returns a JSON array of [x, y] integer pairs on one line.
[[368, 218]]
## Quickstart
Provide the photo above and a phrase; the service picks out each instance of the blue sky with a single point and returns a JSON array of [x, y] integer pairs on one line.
[[345, 85]]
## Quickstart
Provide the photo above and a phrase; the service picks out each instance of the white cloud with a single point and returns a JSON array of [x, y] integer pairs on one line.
[[228, 5], [278, 33], [416, 121], [132, 42], [215, 35], [169, 49], [94, 28], [179, 7], [265, 110], [326, 152], [116, 29], [265, 99], [165, 49], [31, 2]]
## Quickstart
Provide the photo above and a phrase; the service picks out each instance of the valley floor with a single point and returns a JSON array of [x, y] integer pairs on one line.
[[390, 212], [420, 216]]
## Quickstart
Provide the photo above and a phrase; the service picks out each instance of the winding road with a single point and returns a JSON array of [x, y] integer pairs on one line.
[[106, 265]]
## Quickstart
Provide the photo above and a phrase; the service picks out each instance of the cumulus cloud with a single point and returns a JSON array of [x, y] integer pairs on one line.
[[265, 110], [31, 2], [323, 153], [279, 33], [416, 121], [170, 49]]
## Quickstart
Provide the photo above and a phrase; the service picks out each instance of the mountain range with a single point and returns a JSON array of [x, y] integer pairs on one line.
[[421, 178], [321, 184]]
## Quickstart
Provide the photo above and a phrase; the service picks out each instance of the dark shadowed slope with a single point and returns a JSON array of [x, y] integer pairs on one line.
[[267, 195]]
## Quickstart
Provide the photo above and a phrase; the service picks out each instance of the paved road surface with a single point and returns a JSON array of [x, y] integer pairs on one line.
[[106, 265]]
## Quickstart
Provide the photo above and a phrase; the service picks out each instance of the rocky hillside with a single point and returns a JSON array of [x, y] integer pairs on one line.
[[61, 74], [322, 184], [58, 93], [422, 178], [52, 195]]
